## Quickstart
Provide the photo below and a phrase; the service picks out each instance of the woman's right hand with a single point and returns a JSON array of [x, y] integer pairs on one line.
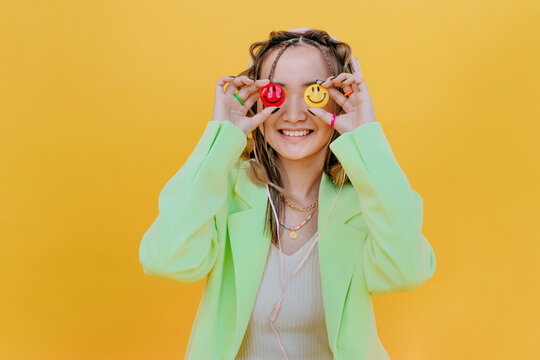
[[227, 107]]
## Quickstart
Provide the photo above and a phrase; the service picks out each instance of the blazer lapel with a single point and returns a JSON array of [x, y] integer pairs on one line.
[[249, 247], [339, 249]]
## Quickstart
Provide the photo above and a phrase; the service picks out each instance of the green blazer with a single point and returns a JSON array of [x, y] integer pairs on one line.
[[211, 220]]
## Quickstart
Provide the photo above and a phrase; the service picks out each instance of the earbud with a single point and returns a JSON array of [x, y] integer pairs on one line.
[[272, 95]]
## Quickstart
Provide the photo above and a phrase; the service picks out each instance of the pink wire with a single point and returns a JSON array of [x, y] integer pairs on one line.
[[277, 306]]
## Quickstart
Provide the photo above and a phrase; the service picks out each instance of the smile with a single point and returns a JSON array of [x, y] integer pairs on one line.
[[316, 102], [271, 102], [295, 134]]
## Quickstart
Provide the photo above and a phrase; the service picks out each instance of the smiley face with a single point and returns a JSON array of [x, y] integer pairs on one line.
[[272, 95], [316, 96]]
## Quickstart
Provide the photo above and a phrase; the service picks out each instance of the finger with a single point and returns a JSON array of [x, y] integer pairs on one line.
[[346, 88], [261, 116], [221, 83], [262, 82], [248, 90], [248, 103], [336, 79], [327, 82], [360, 87], [356, 87], [353, 79], [347, 83], [322, 114], [331, 83], [341, 78], [238, 83], [338, 97]]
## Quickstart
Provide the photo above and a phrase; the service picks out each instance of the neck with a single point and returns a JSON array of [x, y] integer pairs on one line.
[[303, 177]]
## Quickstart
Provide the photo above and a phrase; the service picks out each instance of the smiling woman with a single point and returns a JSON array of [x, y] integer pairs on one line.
[[275, 195], [298, 66], [297, 62]]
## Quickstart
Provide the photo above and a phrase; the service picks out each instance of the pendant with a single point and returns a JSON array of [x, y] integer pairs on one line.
[[293, 235]]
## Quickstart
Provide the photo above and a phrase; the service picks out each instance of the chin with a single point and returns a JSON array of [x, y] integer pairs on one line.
[[294, 157], [289, 152]]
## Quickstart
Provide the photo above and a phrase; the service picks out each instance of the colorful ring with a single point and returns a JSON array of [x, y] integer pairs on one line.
[[239, 99], [348, 93], [333, 119]]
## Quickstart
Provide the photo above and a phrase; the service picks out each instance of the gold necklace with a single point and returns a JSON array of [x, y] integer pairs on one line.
[[307, 208], [293, 229]]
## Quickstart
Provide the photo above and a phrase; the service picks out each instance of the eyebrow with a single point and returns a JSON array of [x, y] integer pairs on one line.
[[305, 84]]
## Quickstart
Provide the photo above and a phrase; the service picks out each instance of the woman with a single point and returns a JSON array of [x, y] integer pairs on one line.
[[350, 226]]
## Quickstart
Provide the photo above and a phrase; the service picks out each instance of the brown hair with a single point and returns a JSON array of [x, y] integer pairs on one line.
[[267, 171]]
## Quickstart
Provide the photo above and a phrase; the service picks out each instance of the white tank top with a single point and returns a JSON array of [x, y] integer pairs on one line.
[[300, 323]]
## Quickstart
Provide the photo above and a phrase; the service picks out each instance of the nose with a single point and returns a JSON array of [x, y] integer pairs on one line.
[[294, 108]]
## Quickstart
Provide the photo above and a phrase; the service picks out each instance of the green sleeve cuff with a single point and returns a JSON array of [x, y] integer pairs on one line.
[[368, 142], [226, 140], [214, 156]]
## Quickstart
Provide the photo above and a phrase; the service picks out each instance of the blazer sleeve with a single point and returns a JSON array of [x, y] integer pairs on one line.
[[396, 255], [182, 242]]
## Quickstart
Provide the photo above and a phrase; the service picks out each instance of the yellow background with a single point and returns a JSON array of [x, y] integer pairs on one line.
[[101, 102]]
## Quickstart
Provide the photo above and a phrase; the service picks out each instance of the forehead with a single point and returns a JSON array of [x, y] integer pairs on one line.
[[297, 64]]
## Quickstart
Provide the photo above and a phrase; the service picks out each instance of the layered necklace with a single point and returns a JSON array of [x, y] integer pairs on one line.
[[293, 229]]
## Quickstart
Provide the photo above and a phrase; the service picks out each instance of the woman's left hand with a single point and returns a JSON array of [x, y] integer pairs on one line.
[[358, 106]]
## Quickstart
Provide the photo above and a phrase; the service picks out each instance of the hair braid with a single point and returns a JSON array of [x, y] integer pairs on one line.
[[324, 52], [288, 43], [268, 171]]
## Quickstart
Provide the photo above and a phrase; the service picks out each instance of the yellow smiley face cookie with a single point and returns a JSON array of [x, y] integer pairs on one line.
[[316, 96]]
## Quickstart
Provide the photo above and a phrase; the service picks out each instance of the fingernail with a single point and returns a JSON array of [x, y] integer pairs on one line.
[[276, 109], [311, 112]]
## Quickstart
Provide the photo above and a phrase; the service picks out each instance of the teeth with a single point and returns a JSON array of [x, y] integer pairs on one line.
[[295, 133]]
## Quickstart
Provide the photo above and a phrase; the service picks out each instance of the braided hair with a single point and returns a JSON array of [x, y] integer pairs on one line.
[[337, 55]]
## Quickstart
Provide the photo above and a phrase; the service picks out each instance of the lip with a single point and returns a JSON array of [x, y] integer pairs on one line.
[[295, 138], [298, 129]]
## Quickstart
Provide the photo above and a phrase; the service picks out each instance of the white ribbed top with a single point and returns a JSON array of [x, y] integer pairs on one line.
[[300, 324]]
